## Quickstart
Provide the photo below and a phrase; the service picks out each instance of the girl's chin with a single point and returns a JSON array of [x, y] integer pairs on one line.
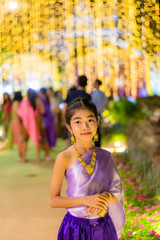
[[86, 138]]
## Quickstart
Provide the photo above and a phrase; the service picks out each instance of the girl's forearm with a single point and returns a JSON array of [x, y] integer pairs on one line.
[[66, 202]]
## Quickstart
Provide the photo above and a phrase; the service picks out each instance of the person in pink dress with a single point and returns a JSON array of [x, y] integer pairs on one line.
[[30, 111]]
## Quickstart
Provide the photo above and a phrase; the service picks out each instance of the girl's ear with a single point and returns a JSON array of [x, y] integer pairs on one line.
[[69, 128]]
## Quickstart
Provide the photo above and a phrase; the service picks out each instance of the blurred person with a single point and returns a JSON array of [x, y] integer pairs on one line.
[[79, 91], [14, 133], [98, 97], [48, 119], [6, 112], [30, 111], [58, 95], [100, 100], [54, 106]]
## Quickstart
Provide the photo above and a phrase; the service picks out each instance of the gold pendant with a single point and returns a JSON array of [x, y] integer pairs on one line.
[[89, 170]]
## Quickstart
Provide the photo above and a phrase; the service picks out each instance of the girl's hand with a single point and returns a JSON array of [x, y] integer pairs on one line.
[[94, 211], [98, 200], [97, 211], [107, 195], [110, 197]]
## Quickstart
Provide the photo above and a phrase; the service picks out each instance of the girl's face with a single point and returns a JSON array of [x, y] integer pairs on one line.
[[83, 124]]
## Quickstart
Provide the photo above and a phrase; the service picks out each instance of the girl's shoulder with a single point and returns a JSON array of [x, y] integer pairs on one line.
[[103, 152], [104, 156], [65, 156]]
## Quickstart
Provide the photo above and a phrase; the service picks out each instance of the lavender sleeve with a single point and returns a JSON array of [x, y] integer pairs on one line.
[[116, 210]]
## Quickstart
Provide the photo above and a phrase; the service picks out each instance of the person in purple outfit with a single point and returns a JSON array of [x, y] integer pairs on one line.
[[48, 119], [94, 199]]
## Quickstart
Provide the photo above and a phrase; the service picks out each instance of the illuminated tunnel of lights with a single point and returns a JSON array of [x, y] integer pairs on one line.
[[51, 42]]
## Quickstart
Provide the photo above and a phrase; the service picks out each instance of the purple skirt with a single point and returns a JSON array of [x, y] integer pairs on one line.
[[74, 228]]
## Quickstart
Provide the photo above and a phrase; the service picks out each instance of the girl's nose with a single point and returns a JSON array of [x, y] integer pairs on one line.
[[85, 125]]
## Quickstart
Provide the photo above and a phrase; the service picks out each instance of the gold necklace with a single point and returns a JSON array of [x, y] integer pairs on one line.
[[89, 167]]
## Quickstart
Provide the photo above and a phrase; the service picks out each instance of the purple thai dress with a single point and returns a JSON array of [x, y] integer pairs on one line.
[[79, 225], [48, 121]]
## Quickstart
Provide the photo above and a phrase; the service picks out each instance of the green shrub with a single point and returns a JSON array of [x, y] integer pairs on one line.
[[124, 112]]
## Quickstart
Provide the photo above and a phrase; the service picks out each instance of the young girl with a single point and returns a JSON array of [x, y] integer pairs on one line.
[[95, 202]]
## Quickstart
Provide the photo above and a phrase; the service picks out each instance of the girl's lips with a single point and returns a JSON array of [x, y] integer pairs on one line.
[[86, 133]]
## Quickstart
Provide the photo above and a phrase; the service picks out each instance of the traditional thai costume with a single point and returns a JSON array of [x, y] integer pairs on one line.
[[77, 224], [48, 121], [28, 117]]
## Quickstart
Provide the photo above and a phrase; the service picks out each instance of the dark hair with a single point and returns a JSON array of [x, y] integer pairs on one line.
[[50, 88], [82, 81], [77, 104], [32, 95], [98, 82], [17, 96], [43, 90]]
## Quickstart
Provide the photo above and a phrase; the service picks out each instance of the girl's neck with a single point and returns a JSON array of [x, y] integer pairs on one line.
[[83, 148]]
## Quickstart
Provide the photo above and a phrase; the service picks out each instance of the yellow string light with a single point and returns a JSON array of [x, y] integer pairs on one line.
[[84, 37]]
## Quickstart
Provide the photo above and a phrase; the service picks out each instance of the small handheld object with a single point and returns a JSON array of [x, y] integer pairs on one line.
[[103, 214]]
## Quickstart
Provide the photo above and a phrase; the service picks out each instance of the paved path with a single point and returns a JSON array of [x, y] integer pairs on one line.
[[24, 198]]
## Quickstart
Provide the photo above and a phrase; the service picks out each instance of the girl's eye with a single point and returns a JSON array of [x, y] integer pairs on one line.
[[91, 120], [77, 122]]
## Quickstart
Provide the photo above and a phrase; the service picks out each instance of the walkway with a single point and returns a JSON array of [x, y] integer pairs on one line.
[[24, 198]]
